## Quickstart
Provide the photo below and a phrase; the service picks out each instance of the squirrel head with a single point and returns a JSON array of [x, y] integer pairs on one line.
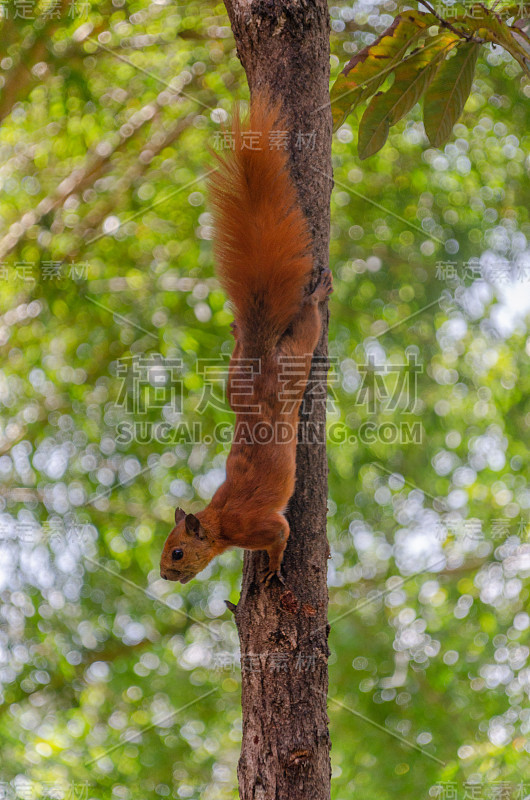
[[188, 549]]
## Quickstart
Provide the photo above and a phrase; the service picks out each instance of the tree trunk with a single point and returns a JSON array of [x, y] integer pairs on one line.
[[284, 46]]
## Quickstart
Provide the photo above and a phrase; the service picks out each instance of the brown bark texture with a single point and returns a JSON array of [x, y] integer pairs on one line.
[[283, 631]]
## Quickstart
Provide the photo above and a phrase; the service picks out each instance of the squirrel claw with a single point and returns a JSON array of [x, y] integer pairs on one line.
[[325, 286], [326, 281], [267, 578]]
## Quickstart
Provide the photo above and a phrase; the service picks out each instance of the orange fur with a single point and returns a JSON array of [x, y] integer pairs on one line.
[[262, 243], [262, 246]]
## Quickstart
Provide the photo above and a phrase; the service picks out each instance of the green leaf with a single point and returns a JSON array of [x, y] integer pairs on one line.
[[367, 70], [412, 77], [490, 26], [447, 94], [374, 127]]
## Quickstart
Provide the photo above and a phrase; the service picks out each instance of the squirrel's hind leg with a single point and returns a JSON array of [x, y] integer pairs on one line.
[[305, 328]]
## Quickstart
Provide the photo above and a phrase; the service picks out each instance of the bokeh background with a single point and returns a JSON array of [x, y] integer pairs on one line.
[[115, 684]]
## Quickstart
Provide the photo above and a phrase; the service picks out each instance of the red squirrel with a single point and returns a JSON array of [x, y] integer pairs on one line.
[[263, 252]]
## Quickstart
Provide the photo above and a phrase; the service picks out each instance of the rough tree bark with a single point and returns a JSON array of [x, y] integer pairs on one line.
[[284, 46]]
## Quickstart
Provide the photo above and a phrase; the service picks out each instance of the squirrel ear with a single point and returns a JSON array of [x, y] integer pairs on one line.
[[179, 515], [194, 527]]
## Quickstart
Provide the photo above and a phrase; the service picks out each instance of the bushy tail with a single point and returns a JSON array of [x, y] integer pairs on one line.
[[262, 243]]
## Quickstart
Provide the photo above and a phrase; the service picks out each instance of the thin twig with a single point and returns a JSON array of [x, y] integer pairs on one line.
[[445, 23]]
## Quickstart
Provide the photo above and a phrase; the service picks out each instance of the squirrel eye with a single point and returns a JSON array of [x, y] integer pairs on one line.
[[177, 554]]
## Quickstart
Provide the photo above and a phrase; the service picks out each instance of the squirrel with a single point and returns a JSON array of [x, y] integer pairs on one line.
[[262, 247]]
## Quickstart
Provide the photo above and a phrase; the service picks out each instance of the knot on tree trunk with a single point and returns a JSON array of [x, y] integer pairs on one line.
[[299, 758]]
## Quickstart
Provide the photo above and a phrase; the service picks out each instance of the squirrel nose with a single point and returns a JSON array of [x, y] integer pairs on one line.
[[164, 576]]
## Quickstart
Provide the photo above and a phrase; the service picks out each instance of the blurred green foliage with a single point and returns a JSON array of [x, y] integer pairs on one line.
[[116, 684]]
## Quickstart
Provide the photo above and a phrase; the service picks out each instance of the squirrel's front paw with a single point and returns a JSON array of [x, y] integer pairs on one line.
[[273, 573]]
